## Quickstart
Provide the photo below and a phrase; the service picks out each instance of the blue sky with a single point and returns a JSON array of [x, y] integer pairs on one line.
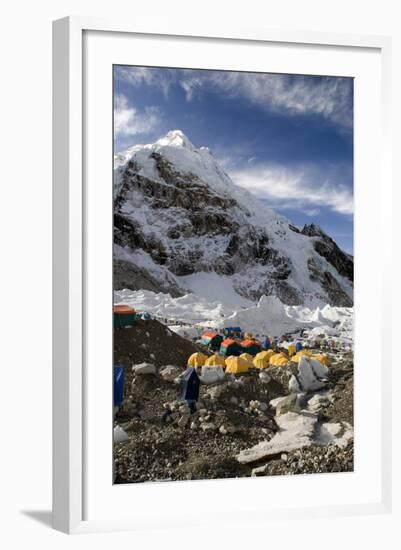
[[286, 138]]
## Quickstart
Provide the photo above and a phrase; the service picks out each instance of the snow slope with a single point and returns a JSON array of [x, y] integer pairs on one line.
[[214, 287]]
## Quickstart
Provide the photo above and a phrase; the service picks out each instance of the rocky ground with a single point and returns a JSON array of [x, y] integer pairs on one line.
[[244, 425], [152, 342]]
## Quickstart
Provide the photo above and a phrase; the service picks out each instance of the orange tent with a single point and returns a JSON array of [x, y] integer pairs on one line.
[[248, 342], [123, 310], [228, 341]]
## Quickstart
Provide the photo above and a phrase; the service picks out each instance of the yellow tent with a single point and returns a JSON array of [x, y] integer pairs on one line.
[[279, 359], [215, 360], [291, 350], [246, 356], [265, 354], [322, 358], [236, 365], [197, 360], [295, 358], [261, 359]]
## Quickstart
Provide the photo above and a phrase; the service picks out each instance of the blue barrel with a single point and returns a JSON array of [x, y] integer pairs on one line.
[[118, 386], [298, 347]]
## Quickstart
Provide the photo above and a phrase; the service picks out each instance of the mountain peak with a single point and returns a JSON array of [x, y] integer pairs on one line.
[[176, 138], [179, 216], [313, 230]]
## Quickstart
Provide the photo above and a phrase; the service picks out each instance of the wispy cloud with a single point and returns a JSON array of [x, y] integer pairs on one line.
[[191, 85], [328, 97], [312, 212], [155, 77], [128, 121], [305, 188]]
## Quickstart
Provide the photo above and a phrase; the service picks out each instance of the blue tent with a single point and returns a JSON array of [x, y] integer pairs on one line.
[[118, 385], [266, 343], [190, 385], [145, 316], [232, 331]]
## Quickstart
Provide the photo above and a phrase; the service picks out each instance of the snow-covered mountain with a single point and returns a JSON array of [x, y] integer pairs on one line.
[[181, 224]]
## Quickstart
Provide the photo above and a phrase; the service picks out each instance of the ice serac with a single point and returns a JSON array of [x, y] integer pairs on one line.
[[296, 431], [178, 216]]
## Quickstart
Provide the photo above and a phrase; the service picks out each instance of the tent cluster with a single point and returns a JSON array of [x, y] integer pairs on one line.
[[230, 346], [236, 364], [243, 362], [233, 341]]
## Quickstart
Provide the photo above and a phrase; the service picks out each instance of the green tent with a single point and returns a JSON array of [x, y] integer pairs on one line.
[[230, 347], [123, 316]]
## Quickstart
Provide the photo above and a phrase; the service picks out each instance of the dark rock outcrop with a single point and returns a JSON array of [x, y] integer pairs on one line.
[[128, 275], [326, 247], [337, 296]]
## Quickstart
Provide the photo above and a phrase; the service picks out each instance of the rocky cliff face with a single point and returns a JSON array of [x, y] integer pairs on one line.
[[177, 213]]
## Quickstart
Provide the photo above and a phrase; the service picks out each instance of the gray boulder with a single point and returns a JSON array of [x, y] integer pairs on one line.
[[144, 368]]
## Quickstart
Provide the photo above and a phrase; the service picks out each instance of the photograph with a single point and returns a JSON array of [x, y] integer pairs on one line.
[[233, 267]]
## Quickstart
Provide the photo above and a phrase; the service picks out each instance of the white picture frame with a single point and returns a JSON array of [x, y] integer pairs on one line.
[[70, 335]]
